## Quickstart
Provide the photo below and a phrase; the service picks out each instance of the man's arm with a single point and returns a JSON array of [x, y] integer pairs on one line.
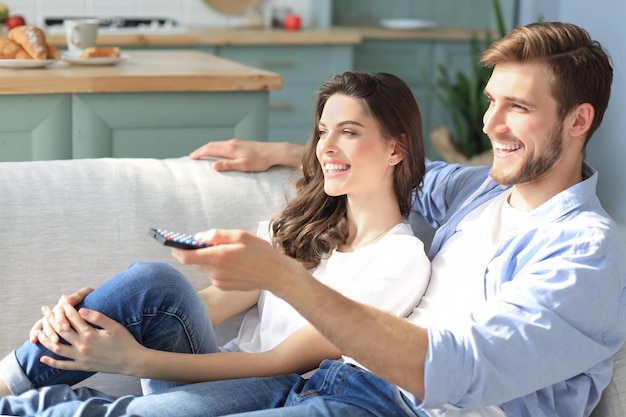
[[387, 345], [250, 156]]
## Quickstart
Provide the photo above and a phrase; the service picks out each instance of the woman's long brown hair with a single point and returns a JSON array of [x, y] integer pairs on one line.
[[313, 223]]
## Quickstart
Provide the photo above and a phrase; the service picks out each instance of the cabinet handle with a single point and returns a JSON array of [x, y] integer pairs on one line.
[[277, 64], [281, 107]]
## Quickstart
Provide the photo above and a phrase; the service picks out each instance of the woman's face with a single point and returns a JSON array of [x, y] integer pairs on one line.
[[352, 152]]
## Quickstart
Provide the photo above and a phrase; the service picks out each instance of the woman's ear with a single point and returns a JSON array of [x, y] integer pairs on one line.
[[396, 149]]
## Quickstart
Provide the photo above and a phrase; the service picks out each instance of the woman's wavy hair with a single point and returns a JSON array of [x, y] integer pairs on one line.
[[313, 223], [581, 69]]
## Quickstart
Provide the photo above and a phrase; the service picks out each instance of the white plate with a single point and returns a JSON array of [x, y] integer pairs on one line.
[[26, 63], [73, 57], [407, 23]]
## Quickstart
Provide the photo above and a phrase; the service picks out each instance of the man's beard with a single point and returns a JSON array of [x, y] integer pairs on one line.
[[535, 166]]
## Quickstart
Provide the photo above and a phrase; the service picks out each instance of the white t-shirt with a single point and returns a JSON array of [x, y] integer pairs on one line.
[[458, 273], [390, 274]]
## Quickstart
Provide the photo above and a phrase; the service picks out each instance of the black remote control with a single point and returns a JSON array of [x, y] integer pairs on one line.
[[176, 240]]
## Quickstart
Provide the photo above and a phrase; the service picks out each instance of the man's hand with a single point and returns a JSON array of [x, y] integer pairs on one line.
[[250, 156], [236, 260], [58, 315]]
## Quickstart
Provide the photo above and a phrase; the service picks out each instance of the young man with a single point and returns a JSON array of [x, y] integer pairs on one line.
[[524, 309]]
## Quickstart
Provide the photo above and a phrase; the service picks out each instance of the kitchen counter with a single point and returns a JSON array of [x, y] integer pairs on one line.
[[236, 36], [143, 71], [155, 104]]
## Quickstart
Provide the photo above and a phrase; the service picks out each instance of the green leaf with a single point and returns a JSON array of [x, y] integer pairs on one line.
[[462, 94]]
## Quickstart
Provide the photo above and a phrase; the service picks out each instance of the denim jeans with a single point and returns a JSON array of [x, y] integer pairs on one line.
[[154, 301], [337, 390], [163, 311]]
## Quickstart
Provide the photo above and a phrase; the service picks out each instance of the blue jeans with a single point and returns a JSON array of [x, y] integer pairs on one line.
[[336, 389], [154, 301]]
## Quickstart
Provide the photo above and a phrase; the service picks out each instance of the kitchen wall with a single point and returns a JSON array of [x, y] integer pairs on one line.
[[604, 19], [186, 12], [445, 13]]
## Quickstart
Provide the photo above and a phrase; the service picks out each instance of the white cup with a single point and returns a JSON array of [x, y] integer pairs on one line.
[[81, 33]]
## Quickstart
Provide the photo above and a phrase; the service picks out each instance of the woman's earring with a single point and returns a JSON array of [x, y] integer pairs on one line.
[[391, 162]]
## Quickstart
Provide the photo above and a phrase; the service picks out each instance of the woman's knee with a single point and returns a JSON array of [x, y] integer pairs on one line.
[[158, 276], [142, 282]]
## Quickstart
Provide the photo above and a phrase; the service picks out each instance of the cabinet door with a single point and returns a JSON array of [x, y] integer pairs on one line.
[[163, 125], [303, 69], [296, 64], [35, 127]]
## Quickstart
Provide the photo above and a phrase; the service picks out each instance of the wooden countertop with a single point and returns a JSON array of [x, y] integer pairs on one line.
[[220, 37], [143, 71]]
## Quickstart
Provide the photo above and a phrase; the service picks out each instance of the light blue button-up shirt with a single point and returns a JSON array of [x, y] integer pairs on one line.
[[555, 309]]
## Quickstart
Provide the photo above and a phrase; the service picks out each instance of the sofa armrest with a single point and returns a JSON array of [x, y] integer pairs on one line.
[[68, 224]]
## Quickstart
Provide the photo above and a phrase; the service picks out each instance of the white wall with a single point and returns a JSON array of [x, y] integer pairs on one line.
[[605, 21], [186, 12]]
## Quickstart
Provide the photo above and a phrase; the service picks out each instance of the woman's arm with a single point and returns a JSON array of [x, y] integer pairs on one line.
[[110, 348], [300, 352], [222, 305]]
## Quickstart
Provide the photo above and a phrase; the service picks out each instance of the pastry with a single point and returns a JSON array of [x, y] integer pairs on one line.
[[101, 52], [12, 50], [53, 52], [32, 39]]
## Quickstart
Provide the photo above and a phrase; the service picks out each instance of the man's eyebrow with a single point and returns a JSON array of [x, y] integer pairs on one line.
[[513, 99]]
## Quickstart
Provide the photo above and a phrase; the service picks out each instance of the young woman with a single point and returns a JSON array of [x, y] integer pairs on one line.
[[360, 171]]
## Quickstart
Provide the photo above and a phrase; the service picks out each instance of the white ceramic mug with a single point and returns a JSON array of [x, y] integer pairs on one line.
[[81, 33]]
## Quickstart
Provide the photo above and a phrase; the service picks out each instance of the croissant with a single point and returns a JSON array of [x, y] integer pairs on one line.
[[101, 52], [12, 50], [32, 39], [53, 52]]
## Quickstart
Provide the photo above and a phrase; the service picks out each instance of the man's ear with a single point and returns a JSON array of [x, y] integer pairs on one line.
[[580, 120]]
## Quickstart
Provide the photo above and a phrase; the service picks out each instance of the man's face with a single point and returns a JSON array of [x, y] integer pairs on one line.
[[522, 123]]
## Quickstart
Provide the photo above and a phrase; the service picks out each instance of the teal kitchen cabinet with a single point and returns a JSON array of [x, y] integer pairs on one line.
[[159, 104], [303, 69], [35, 127], [145, 125]]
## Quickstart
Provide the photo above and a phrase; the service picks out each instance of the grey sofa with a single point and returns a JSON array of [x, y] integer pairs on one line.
[[67, 224]]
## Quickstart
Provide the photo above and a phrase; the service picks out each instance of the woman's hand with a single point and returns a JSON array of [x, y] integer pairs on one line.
[[108, 347], [59, 315]]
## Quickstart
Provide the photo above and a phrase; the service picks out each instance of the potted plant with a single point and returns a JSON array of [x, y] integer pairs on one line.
[[462, 94]]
